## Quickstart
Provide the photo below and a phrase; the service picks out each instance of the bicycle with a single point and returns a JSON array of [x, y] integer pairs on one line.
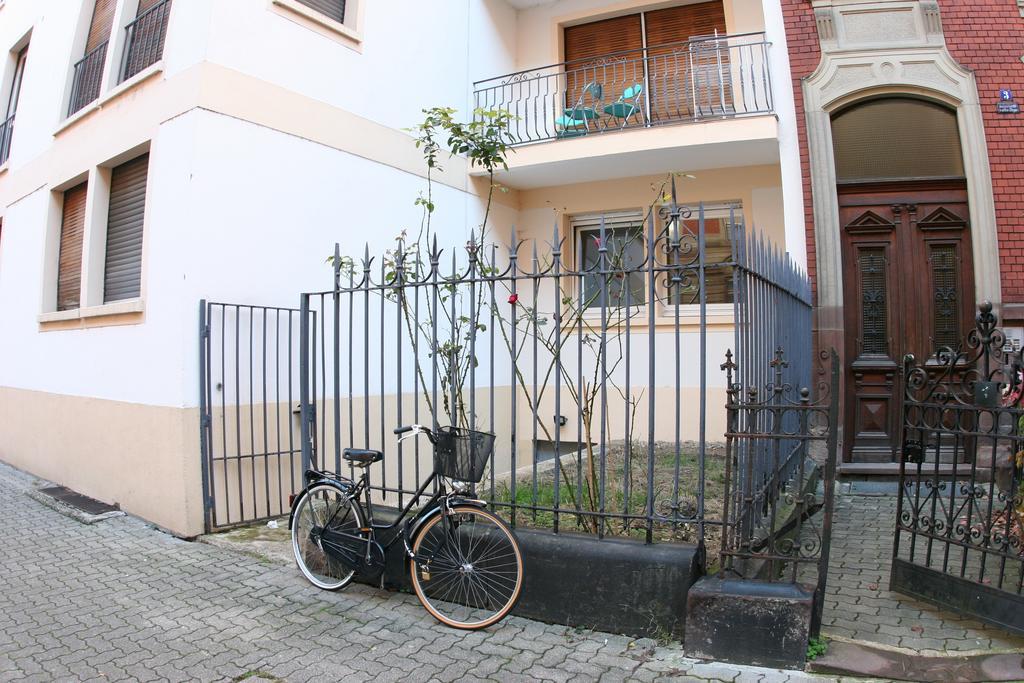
[[464, 562]]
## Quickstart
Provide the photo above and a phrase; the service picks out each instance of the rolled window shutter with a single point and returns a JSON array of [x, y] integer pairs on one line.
[[335, 9], [686, 80], [122, 275], [72, 231], [585, 46], [146, 5], [102, 21], [683, 23]]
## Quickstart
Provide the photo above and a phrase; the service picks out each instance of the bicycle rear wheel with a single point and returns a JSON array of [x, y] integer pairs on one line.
[[467, 570], [324, 510]]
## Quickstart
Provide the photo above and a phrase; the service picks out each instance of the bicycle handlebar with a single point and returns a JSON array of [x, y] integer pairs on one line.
[[416, 430]]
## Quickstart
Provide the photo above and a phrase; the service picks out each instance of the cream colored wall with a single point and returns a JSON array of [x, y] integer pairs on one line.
[[757, 187], [125, 453]]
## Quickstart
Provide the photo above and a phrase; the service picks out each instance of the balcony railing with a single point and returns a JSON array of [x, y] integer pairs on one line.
[[6, 131], [85, 87], [144, 44], [693, 80]]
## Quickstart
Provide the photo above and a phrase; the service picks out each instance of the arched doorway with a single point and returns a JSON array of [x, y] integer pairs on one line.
[[908, 283]]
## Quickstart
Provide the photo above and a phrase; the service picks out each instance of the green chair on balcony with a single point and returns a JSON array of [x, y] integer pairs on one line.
[[577, 119], [628, 104]]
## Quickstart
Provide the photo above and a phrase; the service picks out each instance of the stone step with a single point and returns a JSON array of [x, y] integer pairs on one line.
[[858, 658]]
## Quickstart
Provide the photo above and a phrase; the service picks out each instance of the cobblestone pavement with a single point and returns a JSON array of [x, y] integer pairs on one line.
[[119, 600], [859, 604]]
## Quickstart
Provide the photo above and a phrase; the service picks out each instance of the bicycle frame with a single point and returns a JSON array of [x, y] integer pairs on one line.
[[441, 500]]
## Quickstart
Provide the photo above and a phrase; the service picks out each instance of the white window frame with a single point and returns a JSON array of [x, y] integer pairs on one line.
[[350, 32], [586, 222]]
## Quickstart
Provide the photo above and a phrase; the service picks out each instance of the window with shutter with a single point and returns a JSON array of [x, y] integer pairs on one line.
[[684, 80], [587, 47], [72, 230], [333, 9], [85, 87], [690, 79], [102, 21], [146, 36], [122, 274]]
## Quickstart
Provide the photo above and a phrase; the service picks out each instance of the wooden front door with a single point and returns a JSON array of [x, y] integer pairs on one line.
[[908, 288]]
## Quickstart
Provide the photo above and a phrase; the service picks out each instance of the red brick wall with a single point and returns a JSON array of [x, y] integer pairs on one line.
[[804, 55], [986, 36]]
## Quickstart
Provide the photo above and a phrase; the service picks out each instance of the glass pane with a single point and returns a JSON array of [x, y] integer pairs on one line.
[[622, 279], [717, 281], [947, 327], [874, 316], [896, 138]]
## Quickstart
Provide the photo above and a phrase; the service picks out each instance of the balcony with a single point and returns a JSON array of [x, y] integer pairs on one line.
[[596, 102], [144, 44], [694, 80], [85, 88]]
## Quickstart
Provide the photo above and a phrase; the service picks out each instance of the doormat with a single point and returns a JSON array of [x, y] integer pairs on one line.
[[73, 504]]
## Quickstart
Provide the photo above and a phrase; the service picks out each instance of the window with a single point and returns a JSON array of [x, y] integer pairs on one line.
[[896, 138], [122, 272], [718, 230], [647, 51], [333, 9], [7, 124], [619, 279], [72, 236], [88, 71], [333, 18], [145, 36]]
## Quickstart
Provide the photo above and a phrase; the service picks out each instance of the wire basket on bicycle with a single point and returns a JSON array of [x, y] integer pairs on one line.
[[462, 454]]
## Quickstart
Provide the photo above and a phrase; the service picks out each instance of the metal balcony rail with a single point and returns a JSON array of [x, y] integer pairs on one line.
[[144, 44], [6, 131], [715, 77], [85, 87]]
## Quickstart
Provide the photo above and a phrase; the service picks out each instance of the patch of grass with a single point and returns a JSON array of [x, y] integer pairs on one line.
[[816, 648], [628, 477]]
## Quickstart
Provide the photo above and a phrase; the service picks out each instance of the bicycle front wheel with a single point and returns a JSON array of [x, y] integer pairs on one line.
[[326, 523], [467, 570]]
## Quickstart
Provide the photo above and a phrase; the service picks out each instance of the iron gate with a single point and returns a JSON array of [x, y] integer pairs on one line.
[[248, 411], [959, 539]]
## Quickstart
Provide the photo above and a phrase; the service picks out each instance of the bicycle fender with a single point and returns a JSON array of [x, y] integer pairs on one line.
[[342, 488], [410, 532]]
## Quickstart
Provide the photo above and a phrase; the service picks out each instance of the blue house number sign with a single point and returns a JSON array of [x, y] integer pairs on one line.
[[1006, 105]]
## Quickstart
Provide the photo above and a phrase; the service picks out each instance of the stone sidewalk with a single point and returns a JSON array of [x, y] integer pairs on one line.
[[859, 604], [119, 600]]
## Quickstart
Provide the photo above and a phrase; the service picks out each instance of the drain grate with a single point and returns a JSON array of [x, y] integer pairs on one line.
[[77, 500]]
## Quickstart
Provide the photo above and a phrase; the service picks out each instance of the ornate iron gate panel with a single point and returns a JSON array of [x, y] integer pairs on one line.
[[959, 539]]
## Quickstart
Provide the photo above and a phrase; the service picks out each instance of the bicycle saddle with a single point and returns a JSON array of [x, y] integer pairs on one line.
[[361, 457]]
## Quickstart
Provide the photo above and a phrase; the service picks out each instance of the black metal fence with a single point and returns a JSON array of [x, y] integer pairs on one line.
[[586, 354], [88, 77], [960, 517], [144, 40], [781, 467], [715, 76], [248, 408], [6, 133]]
